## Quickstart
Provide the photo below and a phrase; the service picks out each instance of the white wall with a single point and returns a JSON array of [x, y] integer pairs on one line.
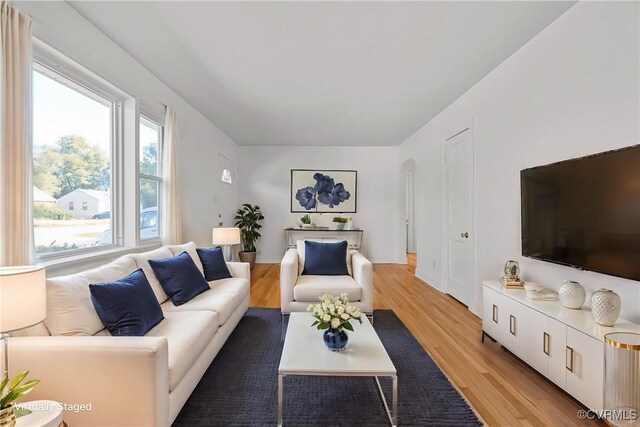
[[266, 181], [571, 91], [61, 27]]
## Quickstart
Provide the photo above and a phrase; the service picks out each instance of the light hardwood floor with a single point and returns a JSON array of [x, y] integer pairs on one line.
[[503, 390]]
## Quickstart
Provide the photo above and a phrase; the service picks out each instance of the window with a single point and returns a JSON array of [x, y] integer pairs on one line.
[[226, 176], [150, 168], [73, 142]]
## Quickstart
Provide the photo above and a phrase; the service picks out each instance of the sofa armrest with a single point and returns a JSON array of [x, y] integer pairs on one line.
[[240, 270], [288, 278], [363, 275], [125, 380]]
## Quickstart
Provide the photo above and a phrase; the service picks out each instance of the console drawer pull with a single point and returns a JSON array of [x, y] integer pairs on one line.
[[569, 356], [545, 343], [512, 324], [495, 313]]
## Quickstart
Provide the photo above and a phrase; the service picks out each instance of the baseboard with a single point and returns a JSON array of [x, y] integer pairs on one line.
[[430, 280]]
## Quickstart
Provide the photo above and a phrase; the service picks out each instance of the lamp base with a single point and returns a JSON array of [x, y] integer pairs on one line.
[[226, 251]]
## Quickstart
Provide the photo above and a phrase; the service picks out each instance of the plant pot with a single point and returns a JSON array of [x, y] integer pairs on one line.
[[338, 225], [335, 340], [249, 257], [7, 417]]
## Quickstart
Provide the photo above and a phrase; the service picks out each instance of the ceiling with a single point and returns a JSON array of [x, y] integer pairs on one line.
[[320, 73]]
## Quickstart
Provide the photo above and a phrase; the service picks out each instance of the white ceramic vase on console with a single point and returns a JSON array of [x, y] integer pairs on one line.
[[572, 295], [605, 306]]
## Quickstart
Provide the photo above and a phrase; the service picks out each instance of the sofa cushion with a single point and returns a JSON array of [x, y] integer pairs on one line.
[[327, 259], [301, 253], [234, 285], [127, 307], [69, 307], [223, 303], [310, 288], [188, 334], [142, 261], [189, 248], [179, 277], [213, 262]]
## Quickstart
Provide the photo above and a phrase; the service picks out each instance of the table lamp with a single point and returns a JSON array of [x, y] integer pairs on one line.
[[23, 303], [226, 237]]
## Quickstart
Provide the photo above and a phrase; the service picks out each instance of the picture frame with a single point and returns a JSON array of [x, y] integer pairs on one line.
[[322, 190]]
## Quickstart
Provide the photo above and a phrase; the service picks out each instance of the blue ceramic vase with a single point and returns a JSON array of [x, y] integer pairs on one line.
[[335, 340]]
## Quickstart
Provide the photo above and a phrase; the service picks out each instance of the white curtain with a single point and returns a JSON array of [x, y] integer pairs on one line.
[[15, 137], [171, 218]]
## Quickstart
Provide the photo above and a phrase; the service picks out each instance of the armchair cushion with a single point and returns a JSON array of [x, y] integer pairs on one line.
[[310, 288], [214, 264], [179, 277], [127, 307], [325, 259]]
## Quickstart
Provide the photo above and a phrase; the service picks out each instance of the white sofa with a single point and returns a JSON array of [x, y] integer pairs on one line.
[[297, 291], [136, 381]]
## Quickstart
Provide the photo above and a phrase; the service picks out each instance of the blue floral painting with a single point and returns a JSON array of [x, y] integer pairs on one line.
[[323, 191]]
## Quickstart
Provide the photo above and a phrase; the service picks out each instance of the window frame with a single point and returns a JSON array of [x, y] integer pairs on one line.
[[63, 70], [147, 118]]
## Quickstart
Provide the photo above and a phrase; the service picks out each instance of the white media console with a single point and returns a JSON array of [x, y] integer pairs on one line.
[[565, 345]]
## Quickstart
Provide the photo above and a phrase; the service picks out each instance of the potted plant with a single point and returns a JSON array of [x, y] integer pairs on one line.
[[305, 221], [16, 390], [247, 218], [339, 222]]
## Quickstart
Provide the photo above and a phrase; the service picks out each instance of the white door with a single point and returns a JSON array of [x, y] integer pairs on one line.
[[585, 372], [226, 194], [458, 216], [411, 245]]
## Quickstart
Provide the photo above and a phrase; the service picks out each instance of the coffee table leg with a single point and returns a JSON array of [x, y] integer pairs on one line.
[[280, 398], [394, 417]]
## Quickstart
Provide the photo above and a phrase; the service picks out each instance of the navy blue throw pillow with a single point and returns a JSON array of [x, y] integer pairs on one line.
[[179, 277], [325, 259], [214, 264], [127, 307]]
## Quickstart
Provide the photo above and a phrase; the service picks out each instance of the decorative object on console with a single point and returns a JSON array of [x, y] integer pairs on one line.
[[16, 390], [621, 377], [334, 314], [339, 222], [305, 222], [323, 190], [247, 218], [572, 295], [23, 303], [605, 306], [536, 292], [226, 237], [511, 277]]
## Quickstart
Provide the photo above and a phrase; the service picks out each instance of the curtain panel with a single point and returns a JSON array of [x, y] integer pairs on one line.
[[171, 217], [16, 235]]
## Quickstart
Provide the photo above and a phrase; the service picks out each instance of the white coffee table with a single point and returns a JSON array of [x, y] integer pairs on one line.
[[304, 353]]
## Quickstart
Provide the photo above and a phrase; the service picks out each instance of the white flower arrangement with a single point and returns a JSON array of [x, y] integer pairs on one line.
[[334, 312]]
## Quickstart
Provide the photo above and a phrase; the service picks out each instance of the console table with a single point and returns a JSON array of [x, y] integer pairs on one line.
[[564, 345], [353, 237]]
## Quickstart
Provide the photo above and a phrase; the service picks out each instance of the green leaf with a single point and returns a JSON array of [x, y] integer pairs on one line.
[[18, 379], [3, 384], [348, 326], [323, 326], [21, 412], [315, 323]]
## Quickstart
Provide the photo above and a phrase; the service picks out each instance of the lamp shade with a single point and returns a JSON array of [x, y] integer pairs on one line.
[[226, 236], [23, 297]]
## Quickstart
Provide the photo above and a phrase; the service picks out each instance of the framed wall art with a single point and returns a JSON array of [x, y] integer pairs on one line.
[[315, 190]]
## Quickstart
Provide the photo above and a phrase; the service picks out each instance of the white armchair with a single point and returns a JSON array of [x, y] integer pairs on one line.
[[298, 291]]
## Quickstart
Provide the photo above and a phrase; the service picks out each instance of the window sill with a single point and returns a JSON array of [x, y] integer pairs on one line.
[[76, 263]]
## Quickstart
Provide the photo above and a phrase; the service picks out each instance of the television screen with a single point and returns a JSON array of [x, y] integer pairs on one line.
[[585, 213]]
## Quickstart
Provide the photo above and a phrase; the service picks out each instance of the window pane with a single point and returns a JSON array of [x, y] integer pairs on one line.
[[150, 136], [71, 166], [149, 196]]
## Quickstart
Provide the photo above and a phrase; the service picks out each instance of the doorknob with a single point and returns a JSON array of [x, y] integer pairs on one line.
[[461, 234], [465, 235]]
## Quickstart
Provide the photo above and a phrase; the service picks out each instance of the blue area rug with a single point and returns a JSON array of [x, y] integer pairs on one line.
[[240, 387]]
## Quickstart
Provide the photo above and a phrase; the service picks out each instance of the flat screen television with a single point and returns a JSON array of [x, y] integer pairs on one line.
[[585, 213]]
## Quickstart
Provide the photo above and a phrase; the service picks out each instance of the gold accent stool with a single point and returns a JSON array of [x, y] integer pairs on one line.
[[622, 378]]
